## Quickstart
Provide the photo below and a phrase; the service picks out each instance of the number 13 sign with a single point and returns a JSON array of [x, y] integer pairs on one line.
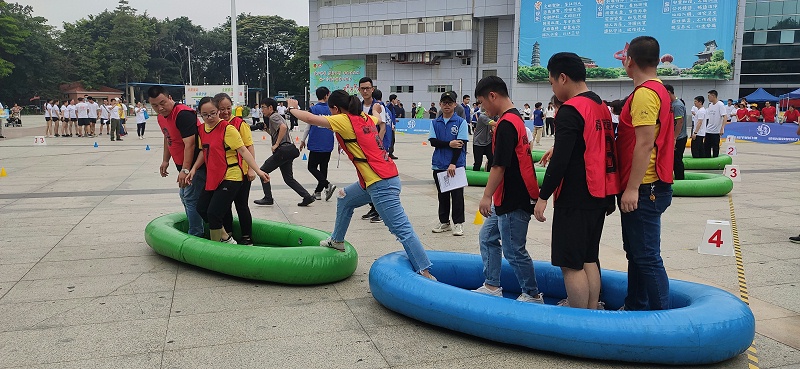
[[717, 239]]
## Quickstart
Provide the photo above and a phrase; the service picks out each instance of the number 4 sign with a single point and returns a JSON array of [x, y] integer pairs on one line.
[[732, 172], [717, 239]]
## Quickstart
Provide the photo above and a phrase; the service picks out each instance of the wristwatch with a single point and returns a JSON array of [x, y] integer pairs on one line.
[[185, 171]]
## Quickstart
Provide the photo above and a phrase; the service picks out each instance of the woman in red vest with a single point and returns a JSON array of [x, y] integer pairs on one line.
[[378, 180], [222, 147]]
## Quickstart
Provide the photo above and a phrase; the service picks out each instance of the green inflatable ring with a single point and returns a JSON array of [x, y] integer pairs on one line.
[[702, 185], [481, 178], [292, 257], [706, 163]]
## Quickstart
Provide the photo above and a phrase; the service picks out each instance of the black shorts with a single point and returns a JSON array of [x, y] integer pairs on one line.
[[83, 121], [73, 119], [92, 120], [48, 119], [65, 120], [576, 236], [103, 121]]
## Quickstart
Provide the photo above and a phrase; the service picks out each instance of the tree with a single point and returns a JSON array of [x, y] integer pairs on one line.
[[11, 36], [128, 45]]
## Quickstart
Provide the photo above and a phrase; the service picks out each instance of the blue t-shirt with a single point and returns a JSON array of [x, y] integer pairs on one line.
[[320, 139], [537, 118], [454, 128]]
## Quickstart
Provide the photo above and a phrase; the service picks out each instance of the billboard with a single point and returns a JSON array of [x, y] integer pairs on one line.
[[336, 74], [193, 94], [696, 36]]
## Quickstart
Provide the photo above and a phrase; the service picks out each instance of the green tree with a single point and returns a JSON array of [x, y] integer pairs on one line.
[[532, 74], [11, 36], [128, 45]]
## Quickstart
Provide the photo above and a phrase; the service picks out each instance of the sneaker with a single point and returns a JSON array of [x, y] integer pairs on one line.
[[230, 240], [119, 139], [328, 242], [795, 239], [264, 201], [141, 138], [329, 191], [376, 219], [458, 229], [524, 297], [58, 135], [601, 305], [393, 157], [318, 195], [306, 201], [429, 276], [246, 240], [563, 302], [442, 227], [482, 289], [370, 214]]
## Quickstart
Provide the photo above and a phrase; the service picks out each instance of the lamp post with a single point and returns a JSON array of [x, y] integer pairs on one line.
[[189, 50], [234, 54], [268, 95]]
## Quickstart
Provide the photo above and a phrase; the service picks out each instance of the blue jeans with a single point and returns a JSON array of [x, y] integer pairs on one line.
[[512, 229], [385, 194], [648, 285], [190, 195]]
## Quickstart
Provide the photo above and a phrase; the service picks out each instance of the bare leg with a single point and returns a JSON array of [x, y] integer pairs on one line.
[[577, 285]]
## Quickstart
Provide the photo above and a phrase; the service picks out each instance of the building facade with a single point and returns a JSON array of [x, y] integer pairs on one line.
[[418, 49]]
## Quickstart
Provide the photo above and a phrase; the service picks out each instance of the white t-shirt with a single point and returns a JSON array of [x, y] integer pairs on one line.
[[700, 119], [93, 109], [83, 110], [550, 113], [115, 111], [529, 133], [54, 110], [139, 115], [65, 111], [73, 114], [714, 116], [281, 110], [104, 109], [47, 109], [732, 113]]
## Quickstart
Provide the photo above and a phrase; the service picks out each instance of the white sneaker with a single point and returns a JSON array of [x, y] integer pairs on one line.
[[230, 240], [524, 297], [458, 229], [563, 302], [332, 244], [482, 289], [443, 227]]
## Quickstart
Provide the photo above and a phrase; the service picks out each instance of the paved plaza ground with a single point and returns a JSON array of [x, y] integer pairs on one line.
[[80, 288]]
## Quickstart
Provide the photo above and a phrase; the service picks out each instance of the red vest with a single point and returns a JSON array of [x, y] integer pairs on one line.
[[236, 122], [664, 143], [214, 149], [375, 154], [523, 151], [602, 174], [172, 133]]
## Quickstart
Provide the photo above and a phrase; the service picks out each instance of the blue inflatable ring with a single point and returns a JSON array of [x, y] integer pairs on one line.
[[705, 325]]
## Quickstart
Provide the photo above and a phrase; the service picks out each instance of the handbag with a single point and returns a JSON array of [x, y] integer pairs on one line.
[[146, 116], [288, 151]]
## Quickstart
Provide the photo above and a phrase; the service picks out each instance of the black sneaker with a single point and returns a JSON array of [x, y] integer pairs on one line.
[[370, 214], [393, 157], [795, 239], [306, 201], [119, 139], [246, 240], [264, 201], [57, 135], [376, 219], [329, 191]]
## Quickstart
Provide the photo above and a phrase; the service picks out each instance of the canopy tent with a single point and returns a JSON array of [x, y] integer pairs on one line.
[[792, 95], [760, 96], [786, 99]]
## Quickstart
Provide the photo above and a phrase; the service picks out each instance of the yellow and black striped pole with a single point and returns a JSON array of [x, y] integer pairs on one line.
[[752, 357]]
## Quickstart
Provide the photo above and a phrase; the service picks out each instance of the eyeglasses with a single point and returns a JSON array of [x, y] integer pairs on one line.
[[209, 115], [447, 103], [365, 88]]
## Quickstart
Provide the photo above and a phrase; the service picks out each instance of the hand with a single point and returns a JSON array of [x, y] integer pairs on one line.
[[451, 170], [163, 168], [302, 145], [456, 144], [538, 210], [274, 147], [182, 179], [375, 108], [251, 174], [630, 201], [546, 157], [292, 103], [190, 176], [263, 175], [485, 206]]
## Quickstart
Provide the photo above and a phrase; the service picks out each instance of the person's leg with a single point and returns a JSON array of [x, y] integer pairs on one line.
[[139, 129], [489, 157], [707, 145], [592, 271], [537, 132], [243, 211], [219, 206], [577, 285], [444, 200], [288, 178], [202, 203], [513, 233], [354, 196], [457, 196], [715, 138], [491, 251], [391, 148], [269, 166], [385, 194], [680, 147], [314, 162], [477, 157], [113, 129], [191, 194]]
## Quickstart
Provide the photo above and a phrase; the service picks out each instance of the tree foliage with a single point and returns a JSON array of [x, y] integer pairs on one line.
[[123, 45]]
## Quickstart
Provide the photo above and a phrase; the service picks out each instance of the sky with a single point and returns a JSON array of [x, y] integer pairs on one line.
[[200, 12]]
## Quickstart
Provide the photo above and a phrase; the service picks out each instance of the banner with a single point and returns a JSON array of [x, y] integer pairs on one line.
[[695, 36], [772, 133], [194, 93], [413, 126], [336, 74]]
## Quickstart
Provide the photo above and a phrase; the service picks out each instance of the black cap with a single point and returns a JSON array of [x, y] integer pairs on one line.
[[449, 95]]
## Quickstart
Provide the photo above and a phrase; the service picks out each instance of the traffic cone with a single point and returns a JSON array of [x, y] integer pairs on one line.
[[95, 144], [263, 138], [424, 143], [478, 218], [3, 172], [304, 156], [147, 148], [297, 139]]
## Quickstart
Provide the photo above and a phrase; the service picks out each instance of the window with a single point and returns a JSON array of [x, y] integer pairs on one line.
[[448, 26], [489, 72], [403, 29], [760, 38], [387, 29], [372, 67], [457, 25], [401, 89], [439, 26], [440, 88], [466, 61], [403, 26], [490, 26], [775, 8]]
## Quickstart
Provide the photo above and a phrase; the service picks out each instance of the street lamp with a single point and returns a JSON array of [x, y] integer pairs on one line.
[[189, 50], [267, 47]]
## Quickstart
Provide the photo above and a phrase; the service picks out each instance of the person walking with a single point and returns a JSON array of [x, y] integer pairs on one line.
[[139, 111], [320, 146]]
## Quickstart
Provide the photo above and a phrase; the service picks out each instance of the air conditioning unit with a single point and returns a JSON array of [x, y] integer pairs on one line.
[[462, 53], [394, 57], [398, 57]]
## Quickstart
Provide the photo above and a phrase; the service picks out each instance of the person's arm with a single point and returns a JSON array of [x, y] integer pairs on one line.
[[504, 147], [678, 125], [189, 145], [165, 159], [281, 133], [316, 120], [570, 129], [247, 156]]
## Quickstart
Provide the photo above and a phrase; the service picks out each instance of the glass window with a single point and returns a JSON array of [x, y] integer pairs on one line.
[[387, 29], [411, 89], [429, 27], [750, 10], [791, 7], [779, 78], [759, 38], [395, 29], [747, 39], [439, 27], [420, 27], [457, 25], [761, 23], [787, 37], [749, 24], [403, 29], [776, 7], [773, 37], [448, 26], [773, 22], [762, 8], [466, 25]]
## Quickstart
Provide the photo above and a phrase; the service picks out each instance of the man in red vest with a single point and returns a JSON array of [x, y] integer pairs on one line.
[[509, 195], [645, 147], [179, 123], [583, 177]]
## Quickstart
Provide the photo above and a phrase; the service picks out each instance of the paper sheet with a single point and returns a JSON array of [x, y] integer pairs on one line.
[[447, 183]]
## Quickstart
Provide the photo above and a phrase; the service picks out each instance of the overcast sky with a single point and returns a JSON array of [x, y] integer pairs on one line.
[[198, 11]]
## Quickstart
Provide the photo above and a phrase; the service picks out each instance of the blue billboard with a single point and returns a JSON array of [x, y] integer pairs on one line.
[[696, 36]]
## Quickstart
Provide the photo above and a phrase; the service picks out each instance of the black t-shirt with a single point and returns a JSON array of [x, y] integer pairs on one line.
[[568, 162], [186, 121], [432, 112], [516, 194]]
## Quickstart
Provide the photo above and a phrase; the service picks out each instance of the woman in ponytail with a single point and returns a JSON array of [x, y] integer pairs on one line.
[[378, 180]]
